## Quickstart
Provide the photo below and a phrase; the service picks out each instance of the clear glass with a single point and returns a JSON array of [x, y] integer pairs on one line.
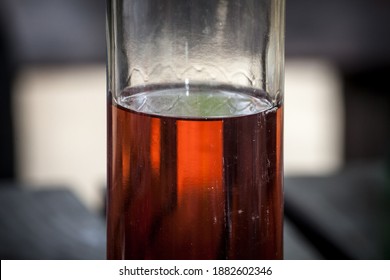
[[195, 129]]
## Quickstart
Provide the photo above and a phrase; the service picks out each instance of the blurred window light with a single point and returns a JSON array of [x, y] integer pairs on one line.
[[314, 118], [60, 115]]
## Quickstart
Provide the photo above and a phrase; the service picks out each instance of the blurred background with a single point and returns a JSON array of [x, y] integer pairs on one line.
[[53, 129]]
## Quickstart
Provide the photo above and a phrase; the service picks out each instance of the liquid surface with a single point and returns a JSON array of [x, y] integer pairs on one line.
[[196, 102], [198, 183]]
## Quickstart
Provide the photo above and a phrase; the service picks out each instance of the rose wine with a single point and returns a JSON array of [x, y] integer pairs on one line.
[[194, 173]]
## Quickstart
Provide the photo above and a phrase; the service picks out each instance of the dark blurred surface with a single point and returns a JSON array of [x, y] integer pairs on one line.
[[47, 224], [344, 215]]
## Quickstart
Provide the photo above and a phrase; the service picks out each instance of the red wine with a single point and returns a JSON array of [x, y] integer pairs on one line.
[[194, 174]]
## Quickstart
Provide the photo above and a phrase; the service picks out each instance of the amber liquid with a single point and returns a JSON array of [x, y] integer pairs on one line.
[[194, 187]]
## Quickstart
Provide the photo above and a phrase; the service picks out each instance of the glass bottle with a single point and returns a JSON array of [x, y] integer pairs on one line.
[[195, 129]]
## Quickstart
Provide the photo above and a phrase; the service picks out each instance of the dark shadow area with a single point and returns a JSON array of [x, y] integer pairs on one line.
[[7, 75]]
